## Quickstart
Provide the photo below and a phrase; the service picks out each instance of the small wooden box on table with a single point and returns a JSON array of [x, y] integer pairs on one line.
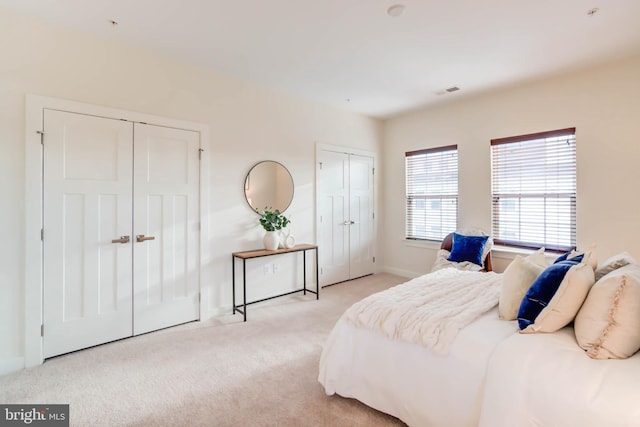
[[244, 256]]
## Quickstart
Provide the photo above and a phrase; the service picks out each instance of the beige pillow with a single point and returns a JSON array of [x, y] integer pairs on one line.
[[566, 302], [608, 324], [592, 255], [538, 257], [516, 281], [613, 263]]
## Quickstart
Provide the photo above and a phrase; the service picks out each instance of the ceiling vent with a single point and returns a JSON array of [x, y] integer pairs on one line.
[[447, 90]]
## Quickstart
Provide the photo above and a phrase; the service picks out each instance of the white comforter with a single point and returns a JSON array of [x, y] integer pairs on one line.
[[428, 310], [539, 380], [409, 381]]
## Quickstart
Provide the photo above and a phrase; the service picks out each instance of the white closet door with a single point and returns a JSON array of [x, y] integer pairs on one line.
[[87, 204], [166, 241], [345, 187], [333, 216], [361, 231]]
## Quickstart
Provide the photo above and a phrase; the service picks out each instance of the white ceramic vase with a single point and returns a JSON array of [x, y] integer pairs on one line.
[[271, 240], [289, 241], [286, 239]]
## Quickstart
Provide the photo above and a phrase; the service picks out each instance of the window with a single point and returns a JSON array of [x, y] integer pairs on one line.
[[534, 190], [432, 192]]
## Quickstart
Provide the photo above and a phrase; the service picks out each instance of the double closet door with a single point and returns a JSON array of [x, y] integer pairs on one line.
[[345, 187], [120, 229]]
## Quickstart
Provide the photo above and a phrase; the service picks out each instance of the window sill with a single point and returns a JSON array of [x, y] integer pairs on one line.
[[508, 252], [425, 244]]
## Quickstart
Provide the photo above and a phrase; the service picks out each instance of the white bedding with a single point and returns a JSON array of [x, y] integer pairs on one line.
[[558, 385], [408, 380], [430, 309]]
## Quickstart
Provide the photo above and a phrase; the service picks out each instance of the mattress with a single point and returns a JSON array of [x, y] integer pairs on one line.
[[409, 381], [558, 385]]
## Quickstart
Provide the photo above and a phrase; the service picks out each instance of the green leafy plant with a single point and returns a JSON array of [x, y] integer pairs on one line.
[[273, 220]]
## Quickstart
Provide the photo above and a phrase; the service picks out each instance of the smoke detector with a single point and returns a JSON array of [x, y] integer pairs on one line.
[[592, 11], [396, 10]]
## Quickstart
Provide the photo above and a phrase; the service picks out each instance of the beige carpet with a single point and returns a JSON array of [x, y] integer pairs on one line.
[[217, 373]]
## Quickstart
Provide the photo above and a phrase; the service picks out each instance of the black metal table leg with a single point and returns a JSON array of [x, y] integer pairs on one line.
[[233, 281], [317, 277], [244, 289], [304, 272]]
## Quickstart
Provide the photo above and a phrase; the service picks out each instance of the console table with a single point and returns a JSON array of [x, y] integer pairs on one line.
[[244, 256]]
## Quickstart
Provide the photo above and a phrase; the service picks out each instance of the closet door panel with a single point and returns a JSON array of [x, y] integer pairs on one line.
[[87, 204], [361, 205], [333, 217], [166, 227]]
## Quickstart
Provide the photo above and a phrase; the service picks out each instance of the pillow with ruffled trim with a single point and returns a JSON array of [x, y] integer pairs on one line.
[[613, 263], [608, 324]]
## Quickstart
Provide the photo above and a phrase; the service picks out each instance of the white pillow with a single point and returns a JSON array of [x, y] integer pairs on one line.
[[592, 255], [608, 324], [538, 258], [442, 261], [516, 281], [613, 263], [567, 300]]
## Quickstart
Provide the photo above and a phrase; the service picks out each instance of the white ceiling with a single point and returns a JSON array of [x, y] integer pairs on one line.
[[351, 54]]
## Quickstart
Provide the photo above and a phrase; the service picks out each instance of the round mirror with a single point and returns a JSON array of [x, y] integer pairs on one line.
[[268, 185]]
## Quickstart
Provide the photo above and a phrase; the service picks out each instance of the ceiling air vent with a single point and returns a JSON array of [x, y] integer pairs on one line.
[[447, 90]]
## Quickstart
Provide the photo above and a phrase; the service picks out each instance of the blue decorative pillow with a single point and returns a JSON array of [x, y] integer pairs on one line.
[[467, 248], [543, 289], [567, 256], [563, 257]]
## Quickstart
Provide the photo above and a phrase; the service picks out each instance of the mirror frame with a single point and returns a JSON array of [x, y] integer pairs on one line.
[[246, 182]]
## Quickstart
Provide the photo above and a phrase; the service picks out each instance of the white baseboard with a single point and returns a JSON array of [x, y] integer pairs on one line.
[[11, 364], [216, 312]]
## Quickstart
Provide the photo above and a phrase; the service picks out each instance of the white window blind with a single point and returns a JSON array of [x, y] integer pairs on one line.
[[432, 192], [534, 190]]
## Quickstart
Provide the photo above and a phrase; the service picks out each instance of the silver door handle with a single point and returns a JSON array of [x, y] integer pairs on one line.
[[346, 223], [122, 239], [142, 238], [355, 222]]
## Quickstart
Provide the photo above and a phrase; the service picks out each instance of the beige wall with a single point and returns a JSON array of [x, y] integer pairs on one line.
[[247, 124], [250, 123], [603, 104]]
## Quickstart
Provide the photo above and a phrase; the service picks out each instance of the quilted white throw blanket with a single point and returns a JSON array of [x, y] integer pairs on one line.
[[430, 309]]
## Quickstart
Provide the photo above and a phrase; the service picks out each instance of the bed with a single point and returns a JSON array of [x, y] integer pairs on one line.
[[487, 374], [419, 385]]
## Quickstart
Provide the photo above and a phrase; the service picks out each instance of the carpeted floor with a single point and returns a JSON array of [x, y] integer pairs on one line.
[[222, 372]]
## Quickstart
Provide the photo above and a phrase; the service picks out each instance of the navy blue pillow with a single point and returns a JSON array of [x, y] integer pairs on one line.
[[564, 257], [543, 289], [467, 248]]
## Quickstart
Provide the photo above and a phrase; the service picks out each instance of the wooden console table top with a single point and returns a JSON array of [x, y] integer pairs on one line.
[[263, 252], [245, 255]]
